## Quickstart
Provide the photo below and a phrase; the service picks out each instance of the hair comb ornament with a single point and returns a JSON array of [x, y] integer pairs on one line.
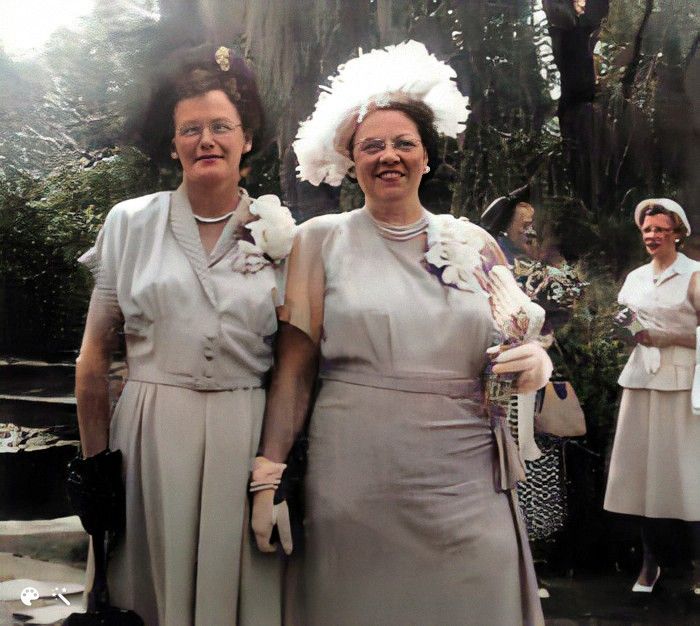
[[223, 58]]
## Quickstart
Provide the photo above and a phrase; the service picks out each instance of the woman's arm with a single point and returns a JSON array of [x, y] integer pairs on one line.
[[91, 374], [291, 387], [293, 378]]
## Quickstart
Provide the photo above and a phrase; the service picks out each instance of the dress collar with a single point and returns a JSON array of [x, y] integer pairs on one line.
[[186, 233], [682, 265]]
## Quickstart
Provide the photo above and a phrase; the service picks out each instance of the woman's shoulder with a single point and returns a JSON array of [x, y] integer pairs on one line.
[[142, 204], [139, 209], [687, 265], [322, 225]]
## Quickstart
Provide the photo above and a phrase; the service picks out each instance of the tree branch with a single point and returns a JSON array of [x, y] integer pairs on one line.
[[631, 71]]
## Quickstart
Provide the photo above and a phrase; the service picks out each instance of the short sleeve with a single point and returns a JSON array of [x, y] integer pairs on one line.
[[623, 295], [694, 293], [104, 257], [305, 284]]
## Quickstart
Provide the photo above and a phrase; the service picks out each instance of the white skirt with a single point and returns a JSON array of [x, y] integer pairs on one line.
[[655, 463]]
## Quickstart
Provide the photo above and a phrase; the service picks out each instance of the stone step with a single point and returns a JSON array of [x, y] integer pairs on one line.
[[59, 540]]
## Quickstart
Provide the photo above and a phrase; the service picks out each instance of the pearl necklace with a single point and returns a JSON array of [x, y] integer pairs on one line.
[[212, 220], [400, 233]]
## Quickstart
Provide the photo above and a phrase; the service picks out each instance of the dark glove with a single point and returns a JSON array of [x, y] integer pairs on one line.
[[96, 491]]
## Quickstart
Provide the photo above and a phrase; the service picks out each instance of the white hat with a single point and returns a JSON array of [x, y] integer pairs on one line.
[[406, 70], [669, 205]]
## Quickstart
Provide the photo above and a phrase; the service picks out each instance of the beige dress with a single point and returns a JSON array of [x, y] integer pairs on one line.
[[655, 463], [189, 418], [406, 521]]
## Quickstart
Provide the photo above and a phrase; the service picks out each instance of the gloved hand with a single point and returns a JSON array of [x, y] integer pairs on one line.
[[270, 514], [530, 361], [96, 491]]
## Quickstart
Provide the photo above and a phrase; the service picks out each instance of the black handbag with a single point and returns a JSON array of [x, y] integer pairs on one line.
[[96, 491], [99, 611]]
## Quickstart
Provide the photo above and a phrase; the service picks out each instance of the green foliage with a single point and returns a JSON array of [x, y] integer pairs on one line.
[[593, 358], [45, 224]]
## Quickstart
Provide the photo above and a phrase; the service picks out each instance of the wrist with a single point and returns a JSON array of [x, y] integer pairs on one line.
[[265, 474]]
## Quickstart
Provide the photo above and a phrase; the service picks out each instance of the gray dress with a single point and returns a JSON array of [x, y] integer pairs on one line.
[[188, 420], [406, 521]]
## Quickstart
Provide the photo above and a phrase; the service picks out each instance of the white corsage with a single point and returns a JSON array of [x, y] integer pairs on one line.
[[272, 235], [452, 254]]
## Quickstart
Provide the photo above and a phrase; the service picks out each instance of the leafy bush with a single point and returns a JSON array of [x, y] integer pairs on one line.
[[45, 224]]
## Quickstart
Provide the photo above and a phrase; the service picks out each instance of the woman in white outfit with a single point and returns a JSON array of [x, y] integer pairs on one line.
[[654, 464]]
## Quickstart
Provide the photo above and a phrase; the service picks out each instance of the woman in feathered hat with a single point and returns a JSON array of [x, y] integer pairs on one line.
[[654, 464], [410, 512], [190, 276]]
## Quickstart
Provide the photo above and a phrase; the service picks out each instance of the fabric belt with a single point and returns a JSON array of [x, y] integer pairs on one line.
[[142, 374], [469, 388], [510, 465]]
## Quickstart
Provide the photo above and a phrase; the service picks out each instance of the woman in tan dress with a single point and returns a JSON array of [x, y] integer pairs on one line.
[[654, 464], [410, 514], [189, 276]]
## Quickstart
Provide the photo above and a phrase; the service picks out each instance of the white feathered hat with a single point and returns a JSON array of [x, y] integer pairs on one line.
[[404, 71], [666, 203]]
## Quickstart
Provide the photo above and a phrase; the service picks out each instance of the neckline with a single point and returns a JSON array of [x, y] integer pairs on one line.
[[394, 232], [212, 220]]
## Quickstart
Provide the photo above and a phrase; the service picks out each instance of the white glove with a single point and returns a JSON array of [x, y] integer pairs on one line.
[[265, 480], [266, 515], [530, 360], [526, 427], [695, 392]]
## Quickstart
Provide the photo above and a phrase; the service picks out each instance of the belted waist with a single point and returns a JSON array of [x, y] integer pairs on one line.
[[510, 468], [148, 374], [470, 388]]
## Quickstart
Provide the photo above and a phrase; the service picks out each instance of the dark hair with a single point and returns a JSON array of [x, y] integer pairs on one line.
[[678, 226], [424, 119], [499, 214], [192, 73]]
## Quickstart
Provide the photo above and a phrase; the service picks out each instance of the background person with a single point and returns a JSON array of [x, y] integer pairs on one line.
[[654, 465]]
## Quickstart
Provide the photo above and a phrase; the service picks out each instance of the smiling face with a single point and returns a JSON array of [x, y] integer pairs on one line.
[[659, 236], [389, 159], [209, 139]]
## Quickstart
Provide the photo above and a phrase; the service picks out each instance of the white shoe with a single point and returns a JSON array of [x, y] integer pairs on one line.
[[543, 593], [639, 588]]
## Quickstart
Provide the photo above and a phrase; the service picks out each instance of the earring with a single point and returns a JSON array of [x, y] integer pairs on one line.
[[676, 241], [427, 169], [173, 155], [351, 173]]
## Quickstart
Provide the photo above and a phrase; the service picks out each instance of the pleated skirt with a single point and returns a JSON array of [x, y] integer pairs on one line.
[[655, 461], [187, 557]]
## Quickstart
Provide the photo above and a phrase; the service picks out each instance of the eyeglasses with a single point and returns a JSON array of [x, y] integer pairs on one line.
[[656, 230], [216, 127], [373, 146]]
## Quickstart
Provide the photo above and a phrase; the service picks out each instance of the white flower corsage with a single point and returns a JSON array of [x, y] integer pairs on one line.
[[272, 235], [452, 254]]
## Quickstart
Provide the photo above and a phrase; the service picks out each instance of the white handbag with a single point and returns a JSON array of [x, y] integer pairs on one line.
[[695, 394]]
